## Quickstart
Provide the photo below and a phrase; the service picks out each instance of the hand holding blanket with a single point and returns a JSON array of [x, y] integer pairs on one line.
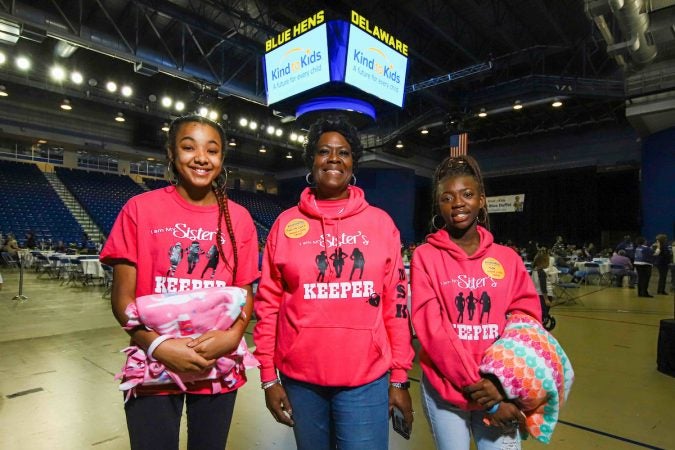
[[185, 314], [533, 369]]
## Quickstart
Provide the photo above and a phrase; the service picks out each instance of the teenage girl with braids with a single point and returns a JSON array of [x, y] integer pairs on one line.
[[460, 258], [194, 209]]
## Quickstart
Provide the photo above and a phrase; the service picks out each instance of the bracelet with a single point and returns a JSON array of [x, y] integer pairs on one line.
[[493, 409], [405, 385], [153, 346], [268, 384]]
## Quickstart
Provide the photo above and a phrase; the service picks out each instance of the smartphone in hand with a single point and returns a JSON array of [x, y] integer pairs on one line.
[[399, 424]]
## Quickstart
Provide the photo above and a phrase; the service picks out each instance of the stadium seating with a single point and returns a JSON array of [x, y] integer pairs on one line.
[[29, 203], [102, 195]]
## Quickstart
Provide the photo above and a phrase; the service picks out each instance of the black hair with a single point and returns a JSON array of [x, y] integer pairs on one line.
[[339, 124], [219, 186], [455, 166]]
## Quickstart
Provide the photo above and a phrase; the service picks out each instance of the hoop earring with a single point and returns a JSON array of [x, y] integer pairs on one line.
[[309, 178], [433, 223], [173, 178], [352, 182], [485, 216]]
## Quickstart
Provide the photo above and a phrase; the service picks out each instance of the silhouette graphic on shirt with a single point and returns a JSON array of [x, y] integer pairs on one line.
[[486, 304], [359, 262], [459, 303], [338, 258], [471, 304], [193, 255], [212, 263], [322, 263], [175, 256]]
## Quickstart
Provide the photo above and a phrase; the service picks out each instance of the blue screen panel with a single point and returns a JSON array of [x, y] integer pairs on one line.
[[297, 66], [374, 67]]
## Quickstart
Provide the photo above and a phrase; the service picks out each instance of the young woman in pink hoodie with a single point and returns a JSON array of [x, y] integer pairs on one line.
[[460, 268], [333, 335]]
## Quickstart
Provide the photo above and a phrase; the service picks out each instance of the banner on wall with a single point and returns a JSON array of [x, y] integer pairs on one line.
[[506, 203]]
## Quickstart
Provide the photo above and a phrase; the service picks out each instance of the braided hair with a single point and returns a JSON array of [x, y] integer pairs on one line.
[[455, 166], [219, 186]]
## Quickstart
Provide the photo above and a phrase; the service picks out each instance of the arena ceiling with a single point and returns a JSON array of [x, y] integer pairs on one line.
[[209, 52]]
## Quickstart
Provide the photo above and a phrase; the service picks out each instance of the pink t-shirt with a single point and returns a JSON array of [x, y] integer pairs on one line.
[[172, 244]]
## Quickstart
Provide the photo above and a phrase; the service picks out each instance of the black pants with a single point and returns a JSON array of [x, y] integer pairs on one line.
[[644, 272], [663, 274], [154, 421]]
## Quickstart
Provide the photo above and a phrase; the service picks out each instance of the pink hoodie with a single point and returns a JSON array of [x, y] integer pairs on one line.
[[460, 304], [331, 303]]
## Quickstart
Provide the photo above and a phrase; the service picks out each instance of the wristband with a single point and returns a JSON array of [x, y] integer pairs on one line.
[[268, 384], [493, 409], [405, 385], [153, 346]]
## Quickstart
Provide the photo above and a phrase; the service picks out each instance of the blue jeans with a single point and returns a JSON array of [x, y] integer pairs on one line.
[[346, 418], [452, 427]]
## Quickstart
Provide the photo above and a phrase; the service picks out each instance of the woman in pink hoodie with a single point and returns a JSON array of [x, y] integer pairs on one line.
[[334, 349], [461, 261]]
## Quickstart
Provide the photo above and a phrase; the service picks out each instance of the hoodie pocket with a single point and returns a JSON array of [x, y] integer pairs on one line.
[[337, 356]]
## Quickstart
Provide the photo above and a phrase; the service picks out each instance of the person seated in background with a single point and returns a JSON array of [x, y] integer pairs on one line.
[[11, 245], [30, 240], [627, 245], [589, 251], [60, 247], [620, 259]]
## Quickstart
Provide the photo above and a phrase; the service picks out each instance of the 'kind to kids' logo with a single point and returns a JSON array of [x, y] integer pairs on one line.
[[299, 59], [370, 59]]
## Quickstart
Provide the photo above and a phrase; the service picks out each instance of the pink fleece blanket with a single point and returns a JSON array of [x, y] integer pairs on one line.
[[185, 314]]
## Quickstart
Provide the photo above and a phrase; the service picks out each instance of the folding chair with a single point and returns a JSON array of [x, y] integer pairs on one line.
[[592, 270], [562, 293]]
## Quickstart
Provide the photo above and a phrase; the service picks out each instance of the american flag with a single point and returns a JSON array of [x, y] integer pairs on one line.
[[459, 144]]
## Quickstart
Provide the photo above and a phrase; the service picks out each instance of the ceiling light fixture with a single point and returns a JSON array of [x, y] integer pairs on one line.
[[556, 103], [262, 149], [3, 58], [165, 127], [482, 113], [243, 121], [213, 115], [167, 102], [57, 73], [399, 144], [203, 111], [65, 105], [232, 143], [42, 141], [111, 86], [279, 132], [517, 105], [3, 91], [22, 63], [293, 137], [301, 139], [76, 77], [120, 117], [253, 125], [179, 106], [270, 129], [127, 91], [289, 155], [424, 131]]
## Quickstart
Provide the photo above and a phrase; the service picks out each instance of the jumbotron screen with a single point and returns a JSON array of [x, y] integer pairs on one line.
[[375, 67], [297, 66]]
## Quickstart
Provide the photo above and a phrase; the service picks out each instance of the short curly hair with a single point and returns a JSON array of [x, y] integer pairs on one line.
[[339, 124]]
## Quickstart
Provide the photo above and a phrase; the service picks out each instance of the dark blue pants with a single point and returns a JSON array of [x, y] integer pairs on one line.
[[154, 421]]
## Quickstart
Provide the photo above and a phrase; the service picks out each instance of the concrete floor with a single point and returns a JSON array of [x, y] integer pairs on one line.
[[60, 349]]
